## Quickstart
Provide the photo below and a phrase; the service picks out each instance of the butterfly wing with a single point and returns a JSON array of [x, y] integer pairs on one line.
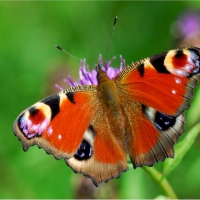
[[72, 125], [109, 156], [57, 123], [150, 135], [163, 85]]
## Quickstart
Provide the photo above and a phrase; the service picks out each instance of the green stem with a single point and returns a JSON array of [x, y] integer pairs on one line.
[[161, 182]]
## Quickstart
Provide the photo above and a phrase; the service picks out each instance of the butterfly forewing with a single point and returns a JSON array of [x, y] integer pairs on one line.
[[52, 122], [167, 77]]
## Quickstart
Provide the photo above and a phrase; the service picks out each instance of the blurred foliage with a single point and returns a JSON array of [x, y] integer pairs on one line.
[[30, 66]]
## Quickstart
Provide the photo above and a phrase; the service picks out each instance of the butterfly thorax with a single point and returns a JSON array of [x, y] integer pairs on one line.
[[109, 99]]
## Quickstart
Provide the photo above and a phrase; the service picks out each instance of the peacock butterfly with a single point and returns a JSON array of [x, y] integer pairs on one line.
[[139, 112]]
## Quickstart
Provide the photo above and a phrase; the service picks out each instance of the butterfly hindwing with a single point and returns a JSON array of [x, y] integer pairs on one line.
[[151, 135], [108, 157]]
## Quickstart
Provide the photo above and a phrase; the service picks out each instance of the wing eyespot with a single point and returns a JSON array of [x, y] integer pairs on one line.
[[35, 120], [164, 121], [84, 151]]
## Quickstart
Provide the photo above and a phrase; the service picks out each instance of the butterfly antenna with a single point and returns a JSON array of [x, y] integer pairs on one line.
[[58, 47], [115, 21]]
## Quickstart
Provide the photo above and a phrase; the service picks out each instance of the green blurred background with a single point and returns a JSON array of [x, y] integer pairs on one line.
[[30, 66]]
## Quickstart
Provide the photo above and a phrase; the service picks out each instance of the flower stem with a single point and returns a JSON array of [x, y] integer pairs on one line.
[[161, 182]]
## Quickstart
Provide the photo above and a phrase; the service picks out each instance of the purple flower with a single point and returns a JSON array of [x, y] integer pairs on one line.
[[87, 77], [187, 24]]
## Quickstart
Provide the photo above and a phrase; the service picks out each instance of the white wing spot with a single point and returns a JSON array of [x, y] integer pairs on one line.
[[173, 91], [178, 80], [59, 137]]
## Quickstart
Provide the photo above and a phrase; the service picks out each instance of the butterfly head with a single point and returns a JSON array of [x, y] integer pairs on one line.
[[101, 75]]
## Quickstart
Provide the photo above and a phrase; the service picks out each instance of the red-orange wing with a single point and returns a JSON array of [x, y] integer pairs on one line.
[[150, 135], [164, 82], [58, 122], [108, 159], [155, 92]]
